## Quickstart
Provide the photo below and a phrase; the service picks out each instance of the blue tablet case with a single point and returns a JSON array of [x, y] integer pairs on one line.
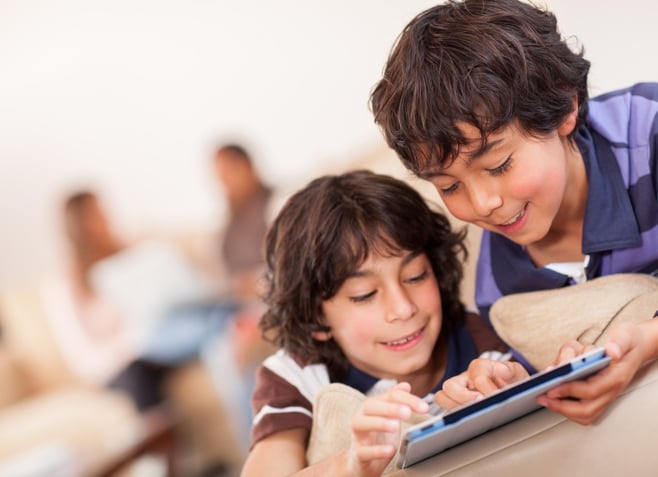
[[508, 403]]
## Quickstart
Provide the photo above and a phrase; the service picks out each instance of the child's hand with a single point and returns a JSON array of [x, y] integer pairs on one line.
[[376, 429], [584, 401], [570, 350], [483, 376]]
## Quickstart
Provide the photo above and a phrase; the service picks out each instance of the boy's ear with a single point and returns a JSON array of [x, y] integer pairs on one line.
[[321, 335], [569, 123]]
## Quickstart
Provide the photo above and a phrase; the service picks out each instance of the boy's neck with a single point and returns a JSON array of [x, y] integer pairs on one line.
[[563, 242]]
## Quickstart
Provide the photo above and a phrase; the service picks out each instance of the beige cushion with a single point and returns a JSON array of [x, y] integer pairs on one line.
[[27, 337], [333, 408], [537, 323], [93, 422]]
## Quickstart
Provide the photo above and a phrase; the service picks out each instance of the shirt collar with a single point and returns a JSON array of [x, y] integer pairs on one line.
[[609, 218], [461, 351]]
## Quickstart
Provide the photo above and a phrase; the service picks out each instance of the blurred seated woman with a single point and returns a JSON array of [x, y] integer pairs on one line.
[[142, 308]]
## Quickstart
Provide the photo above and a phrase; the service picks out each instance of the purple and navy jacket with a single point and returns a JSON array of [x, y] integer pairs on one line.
[[619, 144]]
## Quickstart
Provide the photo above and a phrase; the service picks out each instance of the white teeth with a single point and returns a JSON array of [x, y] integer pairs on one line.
[[403, 340], [515, 218]]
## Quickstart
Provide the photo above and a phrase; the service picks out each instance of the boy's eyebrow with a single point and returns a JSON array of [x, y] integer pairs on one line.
[[471, 157], [362, 273], [481, 151], [410, 256], [429, 175], [358, 274]]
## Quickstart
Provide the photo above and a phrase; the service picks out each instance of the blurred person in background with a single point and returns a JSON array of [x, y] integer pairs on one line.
[[142, 308], [137, 305], [242, 237], [241, 260]]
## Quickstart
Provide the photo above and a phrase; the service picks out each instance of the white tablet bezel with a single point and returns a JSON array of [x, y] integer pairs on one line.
[[437, 434]]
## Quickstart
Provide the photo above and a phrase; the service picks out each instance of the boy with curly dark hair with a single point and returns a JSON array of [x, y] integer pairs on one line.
[[487, 101], [363, 290]]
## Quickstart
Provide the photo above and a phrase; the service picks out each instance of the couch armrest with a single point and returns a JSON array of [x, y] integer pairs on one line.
[[13, 386], [94, 421], [547, 444], [158, 437], [27, 337]]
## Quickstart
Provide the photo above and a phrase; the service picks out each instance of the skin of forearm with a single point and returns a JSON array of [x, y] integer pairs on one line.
[[336, 465]]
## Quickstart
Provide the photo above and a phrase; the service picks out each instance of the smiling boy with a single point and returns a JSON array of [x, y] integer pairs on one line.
[[485, 99], [363, 289]]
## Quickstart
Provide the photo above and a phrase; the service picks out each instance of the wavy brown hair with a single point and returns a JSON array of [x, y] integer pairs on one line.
[[482, 62], [88, 232], [326, 231]]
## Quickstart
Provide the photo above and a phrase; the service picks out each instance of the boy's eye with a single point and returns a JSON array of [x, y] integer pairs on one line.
[[417, 278], [363, 297], [448, 190], [496, 171]]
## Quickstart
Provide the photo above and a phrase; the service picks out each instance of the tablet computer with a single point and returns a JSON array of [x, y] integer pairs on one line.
[[469, 420]]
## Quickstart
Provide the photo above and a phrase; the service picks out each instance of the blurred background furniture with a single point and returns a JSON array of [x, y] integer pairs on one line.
[[50, 418]]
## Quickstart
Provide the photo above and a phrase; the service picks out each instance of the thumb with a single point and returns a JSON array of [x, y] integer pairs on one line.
[[613, 350], [619, 341], [503, 374]]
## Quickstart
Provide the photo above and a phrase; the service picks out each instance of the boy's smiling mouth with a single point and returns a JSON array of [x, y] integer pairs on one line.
[[516, 217], [412, 338], [514, 222]]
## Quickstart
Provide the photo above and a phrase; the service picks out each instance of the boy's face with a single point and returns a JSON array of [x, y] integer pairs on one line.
[[386, 318], [521, 187]]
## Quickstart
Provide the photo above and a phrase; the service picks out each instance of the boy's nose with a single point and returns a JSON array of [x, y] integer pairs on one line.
[[485, 200], [401, 307]]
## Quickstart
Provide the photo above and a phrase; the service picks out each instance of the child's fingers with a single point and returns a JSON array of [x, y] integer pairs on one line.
[[583, 411], [363, 424], [375, 431], [400, 395], [482, 376], [444, 400], [375, 452], [456, 391], [568, 351], [390, 410], [507, 372]]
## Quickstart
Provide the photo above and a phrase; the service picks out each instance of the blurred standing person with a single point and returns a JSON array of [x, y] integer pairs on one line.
[[247, 198], [234, 355]]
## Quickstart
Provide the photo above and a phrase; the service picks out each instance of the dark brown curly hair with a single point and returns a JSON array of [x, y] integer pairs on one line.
[[481, 62], [326, 231]]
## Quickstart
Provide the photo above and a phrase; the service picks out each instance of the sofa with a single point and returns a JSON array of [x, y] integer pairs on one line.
[[53, 423]]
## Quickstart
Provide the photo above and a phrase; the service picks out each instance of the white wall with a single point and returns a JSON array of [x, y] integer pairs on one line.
[[129, 95]]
